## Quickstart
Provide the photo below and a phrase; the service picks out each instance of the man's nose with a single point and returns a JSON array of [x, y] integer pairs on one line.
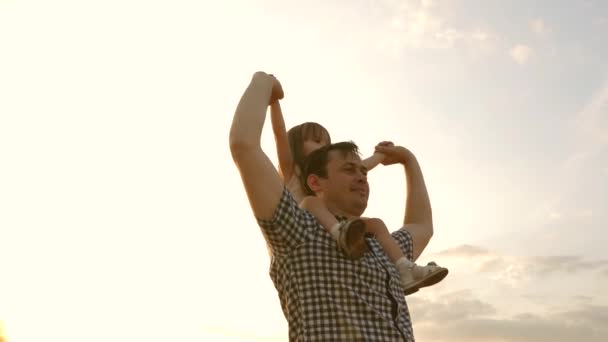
[[361, 177]]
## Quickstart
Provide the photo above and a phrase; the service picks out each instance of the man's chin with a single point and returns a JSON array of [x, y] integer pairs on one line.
[[359, 207]]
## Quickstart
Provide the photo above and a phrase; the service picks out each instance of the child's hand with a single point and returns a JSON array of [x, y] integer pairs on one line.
[[277, 90], [392, 154], [385, 143], [379, 153]]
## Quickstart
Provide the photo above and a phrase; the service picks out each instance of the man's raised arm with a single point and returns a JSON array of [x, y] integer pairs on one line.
[[418, 220], [260, 178]]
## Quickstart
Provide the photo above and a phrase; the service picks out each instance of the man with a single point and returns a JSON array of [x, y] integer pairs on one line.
[[324, 295]]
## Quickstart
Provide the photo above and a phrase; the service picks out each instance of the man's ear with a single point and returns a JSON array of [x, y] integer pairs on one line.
[[314, 183]]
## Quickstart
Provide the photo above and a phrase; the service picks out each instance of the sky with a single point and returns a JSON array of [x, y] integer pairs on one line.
[[123, 217]]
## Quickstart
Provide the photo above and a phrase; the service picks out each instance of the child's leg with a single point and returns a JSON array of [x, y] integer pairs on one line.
[[384, 237], [317, 208], [349, 235], [412, 275]]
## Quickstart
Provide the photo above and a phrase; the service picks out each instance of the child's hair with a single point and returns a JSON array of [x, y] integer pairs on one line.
[[300, 133]]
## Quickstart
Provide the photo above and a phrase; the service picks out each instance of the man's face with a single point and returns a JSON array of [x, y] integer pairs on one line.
[[345, 188]]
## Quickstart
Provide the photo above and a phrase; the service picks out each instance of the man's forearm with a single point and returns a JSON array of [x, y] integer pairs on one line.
[[248, 121], [418, 220], [260, 179], [418, 204]]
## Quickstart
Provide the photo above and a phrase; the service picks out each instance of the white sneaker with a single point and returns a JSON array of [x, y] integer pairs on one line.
[[422, 276]]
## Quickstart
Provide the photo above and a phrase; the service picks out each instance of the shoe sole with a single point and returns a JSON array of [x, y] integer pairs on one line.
[[431, 279], [409, 290]]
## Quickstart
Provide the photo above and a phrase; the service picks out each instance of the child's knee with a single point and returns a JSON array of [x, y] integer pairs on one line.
[[309, 202], [375, 226]]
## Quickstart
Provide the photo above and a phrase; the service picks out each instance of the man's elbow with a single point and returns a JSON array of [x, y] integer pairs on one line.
[[239, 145], [242, 149], [426, 233]]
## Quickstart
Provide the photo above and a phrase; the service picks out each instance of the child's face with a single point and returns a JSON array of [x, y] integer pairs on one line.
[[312, 144]]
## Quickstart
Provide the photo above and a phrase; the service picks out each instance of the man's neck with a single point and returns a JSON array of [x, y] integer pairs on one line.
[[339, 212]]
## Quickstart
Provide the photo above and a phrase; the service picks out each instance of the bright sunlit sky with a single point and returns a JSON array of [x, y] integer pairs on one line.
[[123, 217]]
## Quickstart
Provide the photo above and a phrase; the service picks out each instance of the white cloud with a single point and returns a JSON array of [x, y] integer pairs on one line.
[[452, 305], [591, 121], [462, 316], [489, 261], [517, 271], [581, 174], [539, 27], [521, 53], [422, 24], [465, 250], [459, 316], [507, 297]]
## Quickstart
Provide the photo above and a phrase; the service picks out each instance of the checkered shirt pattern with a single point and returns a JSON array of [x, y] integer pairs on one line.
[[326, 296]]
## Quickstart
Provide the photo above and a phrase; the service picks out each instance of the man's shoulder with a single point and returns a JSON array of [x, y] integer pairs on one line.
[[287, 206], [289, 226]]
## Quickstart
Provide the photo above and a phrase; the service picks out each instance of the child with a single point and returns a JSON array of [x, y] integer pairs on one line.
[[292, 148]]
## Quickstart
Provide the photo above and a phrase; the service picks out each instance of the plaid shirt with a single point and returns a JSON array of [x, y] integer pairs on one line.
[[324, 295]]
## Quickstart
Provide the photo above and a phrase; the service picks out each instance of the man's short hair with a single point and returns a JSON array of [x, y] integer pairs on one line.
[[316, 162]]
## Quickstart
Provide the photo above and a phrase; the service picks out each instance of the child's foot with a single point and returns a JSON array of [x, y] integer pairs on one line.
[[351, 238], [422, 276]]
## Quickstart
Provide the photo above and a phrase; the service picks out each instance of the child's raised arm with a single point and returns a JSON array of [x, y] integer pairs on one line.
[[280, 138], [373, 161]]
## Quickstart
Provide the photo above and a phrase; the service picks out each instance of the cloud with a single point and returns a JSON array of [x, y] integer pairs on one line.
[[540, 310], [458, 316], [451, 306], [513, 269], [569, 264], [521, 54], [591, 121], [539, 27], [465, 251], [419, 24], [590, 134], [600, 22], [586, 163]]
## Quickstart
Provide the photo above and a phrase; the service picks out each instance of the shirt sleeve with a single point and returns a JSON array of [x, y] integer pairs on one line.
[[405, 242], [289, 226]]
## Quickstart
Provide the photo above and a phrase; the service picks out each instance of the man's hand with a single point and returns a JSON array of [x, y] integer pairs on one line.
[[393, 154], [277, 89]]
